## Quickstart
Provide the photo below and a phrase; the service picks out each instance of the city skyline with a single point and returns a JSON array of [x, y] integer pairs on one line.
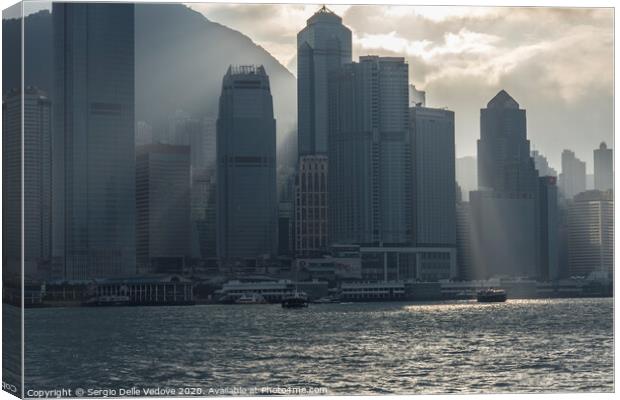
[[155, 158], [462, 56]]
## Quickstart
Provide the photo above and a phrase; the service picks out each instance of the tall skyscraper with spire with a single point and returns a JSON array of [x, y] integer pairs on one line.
[[323, 46]]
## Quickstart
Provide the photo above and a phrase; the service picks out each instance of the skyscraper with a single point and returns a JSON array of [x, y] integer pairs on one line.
[[322, 46], [504, 162], [93, 140], [369, 153], [311, 206], [163, 208], [432, 149], [37, 174], [464, 245], [542, 165], [246, 166], [591, 233], [603, 168], [573, 176], [549, 222], [504, 211]]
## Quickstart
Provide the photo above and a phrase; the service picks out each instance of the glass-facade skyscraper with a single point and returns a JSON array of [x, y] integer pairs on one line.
[[322, 46], [246, 166], [369, 153], [434, 189], [504, 162], [93, 141]]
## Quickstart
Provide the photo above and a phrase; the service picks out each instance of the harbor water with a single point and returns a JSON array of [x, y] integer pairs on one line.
[[559, 345]]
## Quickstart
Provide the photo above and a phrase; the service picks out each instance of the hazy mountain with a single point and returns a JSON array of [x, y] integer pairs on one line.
[[180, 60]]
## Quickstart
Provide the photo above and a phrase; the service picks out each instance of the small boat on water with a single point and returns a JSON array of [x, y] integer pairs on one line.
[[251, 298], [295, 300], [107, 301], [327, 300], [492, 296]]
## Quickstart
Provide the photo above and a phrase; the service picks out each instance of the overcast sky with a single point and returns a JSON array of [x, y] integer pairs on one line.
[[556, 62]]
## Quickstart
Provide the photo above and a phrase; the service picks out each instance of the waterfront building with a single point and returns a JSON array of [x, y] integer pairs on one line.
[[591, 233], [504, 162], [433, 174], [311, 207], [246, 203], [163, 208], [548, 229], [603, 168], [369, 153], [542, 165], [573, 176], [93, 150], [36, 186]]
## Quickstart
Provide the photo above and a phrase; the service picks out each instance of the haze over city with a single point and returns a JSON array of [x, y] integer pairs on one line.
[[560, 71]]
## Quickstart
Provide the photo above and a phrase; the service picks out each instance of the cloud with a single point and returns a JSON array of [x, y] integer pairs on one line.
[[557, 62]]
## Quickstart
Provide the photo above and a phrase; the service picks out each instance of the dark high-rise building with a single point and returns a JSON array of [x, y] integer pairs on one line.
[[322, 46], [37, 175], [504, 162], [548, 230], [93, 141], [573, 176], [603, 168], [504, 212], [542, 165], [432, 150], [163, 208], [464, 237], [505, 234], [369, 153], [247, 202]]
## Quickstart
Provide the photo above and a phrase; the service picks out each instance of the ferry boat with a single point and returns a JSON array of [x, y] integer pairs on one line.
[[492, 296], [251, 298], [295, 300]]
